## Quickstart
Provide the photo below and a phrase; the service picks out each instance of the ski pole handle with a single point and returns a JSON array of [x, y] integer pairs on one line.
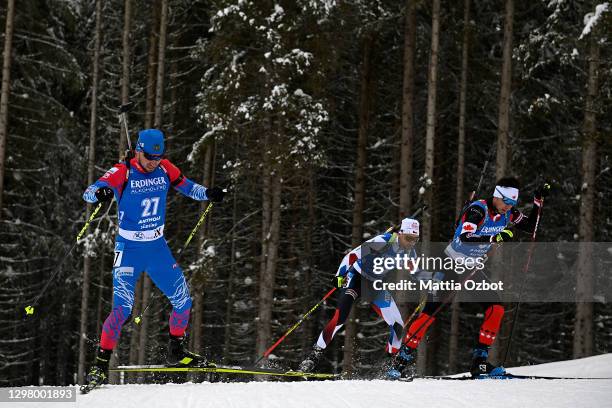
[[123, 109]]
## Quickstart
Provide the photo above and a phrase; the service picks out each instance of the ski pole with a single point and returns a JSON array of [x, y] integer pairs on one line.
[[288, 332], [29, 309], [195, 229], [123, 109], [473, 194], [138, 318], [448, 299], [416, 310], [525, 269], [421, 208], [451, 296]]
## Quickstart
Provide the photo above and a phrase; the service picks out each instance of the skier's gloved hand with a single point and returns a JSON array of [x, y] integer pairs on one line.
[[215, 194], [541, 192], [504, 236], [104, 194], [90, 194], [339, 281]]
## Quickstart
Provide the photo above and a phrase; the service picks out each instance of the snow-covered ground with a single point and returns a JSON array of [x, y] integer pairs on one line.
[[373, 394]]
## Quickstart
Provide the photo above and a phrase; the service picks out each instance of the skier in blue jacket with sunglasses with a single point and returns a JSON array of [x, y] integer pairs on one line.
[[140, 185], [482, 225]]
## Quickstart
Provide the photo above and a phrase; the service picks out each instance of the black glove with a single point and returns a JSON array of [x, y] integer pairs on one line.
[[542, 191], [504, 236], [215, 194], [104, 194]]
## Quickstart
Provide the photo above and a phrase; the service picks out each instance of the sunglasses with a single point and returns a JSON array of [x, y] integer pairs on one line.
[[507, 200], [153, 157], [411, 238]]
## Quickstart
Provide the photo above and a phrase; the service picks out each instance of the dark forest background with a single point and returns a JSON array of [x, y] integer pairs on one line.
[[329, 121]]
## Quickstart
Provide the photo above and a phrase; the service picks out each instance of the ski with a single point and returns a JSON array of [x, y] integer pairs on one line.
[[86, 388], [507, 376], [223, 370]]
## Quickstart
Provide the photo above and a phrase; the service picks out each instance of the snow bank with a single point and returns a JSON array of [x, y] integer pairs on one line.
[[374, 394]]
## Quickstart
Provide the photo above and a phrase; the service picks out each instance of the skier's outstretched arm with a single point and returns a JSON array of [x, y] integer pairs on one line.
[[527, 223], [189, 188], [107, 186]]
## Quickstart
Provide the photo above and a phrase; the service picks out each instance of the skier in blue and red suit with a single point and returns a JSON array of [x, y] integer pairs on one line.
[[140, 185], [483, 225]]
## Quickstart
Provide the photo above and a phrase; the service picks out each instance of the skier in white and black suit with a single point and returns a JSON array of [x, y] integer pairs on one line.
[[348, 277]]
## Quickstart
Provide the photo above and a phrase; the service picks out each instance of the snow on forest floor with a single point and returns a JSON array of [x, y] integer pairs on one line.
[[358, 393]]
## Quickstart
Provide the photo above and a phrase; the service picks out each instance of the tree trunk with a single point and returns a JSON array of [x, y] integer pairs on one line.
[[502, 163], [227, 335], [6, 90], [309, 261], [91, 161], [503, 121], [125, 75], [432, 83], [455, 307], [365, 94], [144, 323], [152, 66], [583, 325], [135, 328], [406, 160], [271, 232], [154, 95], [198, 304], [161, 55]]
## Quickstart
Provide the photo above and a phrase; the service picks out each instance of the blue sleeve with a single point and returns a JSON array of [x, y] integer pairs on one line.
[[90, 193], [193, 190], [114, 178]]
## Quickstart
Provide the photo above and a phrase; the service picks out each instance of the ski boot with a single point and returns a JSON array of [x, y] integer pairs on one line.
[[178, 356], [311, 361], [98, 374], [480, 365], [402, 364]]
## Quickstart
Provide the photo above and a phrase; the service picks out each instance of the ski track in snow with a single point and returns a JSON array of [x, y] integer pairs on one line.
[[429, 393]]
